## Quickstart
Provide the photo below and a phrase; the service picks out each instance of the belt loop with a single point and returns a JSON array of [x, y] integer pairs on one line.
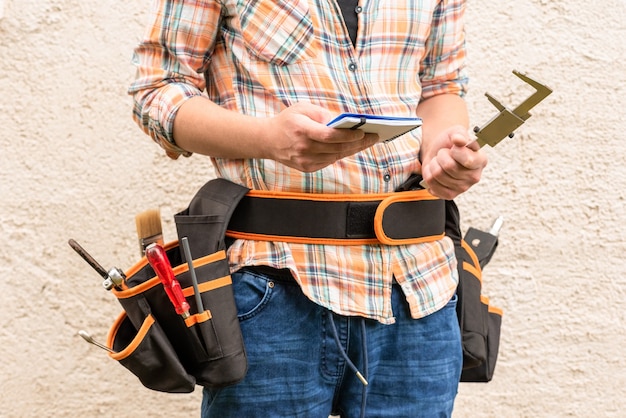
[[395, 221]]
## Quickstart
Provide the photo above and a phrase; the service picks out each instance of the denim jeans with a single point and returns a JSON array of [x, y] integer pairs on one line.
[[296, 368]]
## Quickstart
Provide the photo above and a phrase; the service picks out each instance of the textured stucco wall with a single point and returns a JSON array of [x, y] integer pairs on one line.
[[73, 165]]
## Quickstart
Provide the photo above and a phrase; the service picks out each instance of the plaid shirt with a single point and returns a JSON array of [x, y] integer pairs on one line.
[[260, 57]]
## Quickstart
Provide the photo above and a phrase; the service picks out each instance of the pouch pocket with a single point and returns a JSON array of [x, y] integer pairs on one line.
[[221, 368], [167, 352], [483, 372], [217, 325], [205, 233], [148, 354], [473, 316]]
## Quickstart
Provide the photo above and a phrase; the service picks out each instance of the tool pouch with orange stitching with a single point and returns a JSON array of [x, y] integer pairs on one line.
[[166, 352], [479, 321]]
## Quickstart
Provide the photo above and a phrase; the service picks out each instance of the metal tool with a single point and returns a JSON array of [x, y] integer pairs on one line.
[[484, 243], [496, 226], [192, 271], [87, 337], [507, 121], [112, 278]]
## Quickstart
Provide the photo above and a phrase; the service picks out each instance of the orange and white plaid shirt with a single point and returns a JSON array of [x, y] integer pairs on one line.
[[260, 57]]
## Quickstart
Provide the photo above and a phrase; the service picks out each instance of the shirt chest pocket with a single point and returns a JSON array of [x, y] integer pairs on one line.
[[277, 31]]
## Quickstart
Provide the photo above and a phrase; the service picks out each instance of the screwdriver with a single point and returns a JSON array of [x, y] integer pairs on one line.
[[161, 265]]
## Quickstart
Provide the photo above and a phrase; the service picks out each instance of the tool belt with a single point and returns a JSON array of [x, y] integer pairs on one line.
[[171, 354], [339, 219]]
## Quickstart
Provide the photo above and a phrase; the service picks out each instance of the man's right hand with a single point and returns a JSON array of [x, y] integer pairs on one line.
[[299, 138]]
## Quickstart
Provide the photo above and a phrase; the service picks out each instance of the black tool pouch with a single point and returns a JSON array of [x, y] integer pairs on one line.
[[166, 352], [479, 321]]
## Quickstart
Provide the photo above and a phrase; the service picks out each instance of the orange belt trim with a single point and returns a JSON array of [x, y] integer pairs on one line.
[[473, 270], [208, 286], [144, 261], [397, 198], [301, 240], [198, 318], [472, 254], [130, 349], [477, 271], [494, 310], [148, 284]]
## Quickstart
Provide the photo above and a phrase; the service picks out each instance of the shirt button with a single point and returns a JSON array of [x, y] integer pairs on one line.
[[387, 177], [358, 9], [352, 67]]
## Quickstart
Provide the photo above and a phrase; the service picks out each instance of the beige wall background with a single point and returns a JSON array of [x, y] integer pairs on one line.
[[73, 165]]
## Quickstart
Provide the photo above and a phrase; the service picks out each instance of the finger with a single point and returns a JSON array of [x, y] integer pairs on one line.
[[345, 143], [326, 135], [439, 189], [317, 155], [473, 144], [338, 152], [445, 172], [461, 157], [462, 139]]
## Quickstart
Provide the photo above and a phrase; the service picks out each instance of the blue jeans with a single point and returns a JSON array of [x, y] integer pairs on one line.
[[296, 368]]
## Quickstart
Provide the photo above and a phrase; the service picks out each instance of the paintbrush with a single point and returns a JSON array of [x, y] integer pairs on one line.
[[149, 229]]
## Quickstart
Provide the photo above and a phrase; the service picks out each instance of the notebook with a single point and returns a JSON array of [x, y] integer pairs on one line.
[[387, 127]]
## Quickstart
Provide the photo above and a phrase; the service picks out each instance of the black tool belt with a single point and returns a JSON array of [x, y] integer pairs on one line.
[[339, 219]]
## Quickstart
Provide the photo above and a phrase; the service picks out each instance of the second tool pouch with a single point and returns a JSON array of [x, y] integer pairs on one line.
[[479, 321], [166, 352]]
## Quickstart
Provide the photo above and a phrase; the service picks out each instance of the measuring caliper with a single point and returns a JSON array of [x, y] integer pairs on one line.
[[507, 121], [501, 125]]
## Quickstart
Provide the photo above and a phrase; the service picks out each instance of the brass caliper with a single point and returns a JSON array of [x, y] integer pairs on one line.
[[501, 125], [507, 121]]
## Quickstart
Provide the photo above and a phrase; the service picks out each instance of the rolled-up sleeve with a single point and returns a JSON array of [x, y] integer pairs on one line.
[[443, 68], [170, 60]]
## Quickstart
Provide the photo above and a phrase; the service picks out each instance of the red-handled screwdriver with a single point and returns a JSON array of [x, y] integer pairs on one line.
[[161, 265]]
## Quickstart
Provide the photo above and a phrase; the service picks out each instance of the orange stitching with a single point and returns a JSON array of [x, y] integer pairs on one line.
[[141, 335]]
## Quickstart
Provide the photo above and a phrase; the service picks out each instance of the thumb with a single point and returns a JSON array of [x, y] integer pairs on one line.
[[462, 139]]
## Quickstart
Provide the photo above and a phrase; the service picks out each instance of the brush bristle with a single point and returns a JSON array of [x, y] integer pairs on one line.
[[149, 224]]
